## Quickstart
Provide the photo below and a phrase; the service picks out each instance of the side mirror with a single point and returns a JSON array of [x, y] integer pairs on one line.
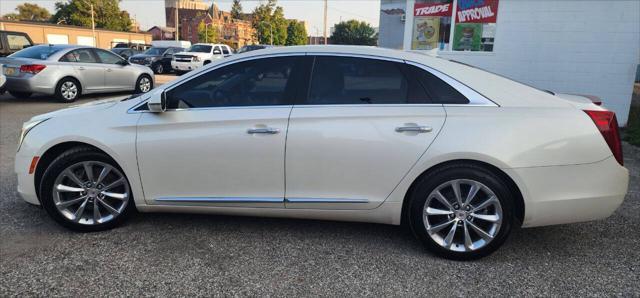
[[158, 102], [123, 62], [217, 52], [167, 55]]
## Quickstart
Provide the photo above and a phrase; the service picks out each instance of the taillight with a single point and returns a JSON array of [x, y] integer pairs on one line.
[[608, 126], [32, 68]]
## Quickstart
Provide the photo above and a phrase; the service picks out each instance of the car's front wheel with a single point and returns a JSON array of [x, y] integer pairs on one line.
[[85, 190], [144, 84], [68, 90], [461, 211]]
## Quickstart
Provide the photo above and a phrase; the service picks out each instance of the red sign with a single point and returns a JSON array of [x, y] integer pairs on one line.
[[432, 10], [477, 11]]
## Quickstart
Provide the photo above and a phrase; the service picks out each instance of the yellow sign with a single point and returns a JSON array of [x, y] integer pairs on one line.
[[425, 33]]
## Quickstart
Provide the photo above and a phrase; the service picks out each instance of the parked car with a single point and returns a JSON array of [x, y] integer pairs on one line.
[[12, 41], [371, 135], [158, 59], [3, 79], [130, 45], [249, 48], [126, 52], [198, 55], [68, 71]]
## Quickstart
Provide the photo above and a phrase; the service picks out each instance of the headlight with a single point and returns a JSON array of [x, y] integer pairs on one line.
[[196, 58], [26, 127], [148, 60]]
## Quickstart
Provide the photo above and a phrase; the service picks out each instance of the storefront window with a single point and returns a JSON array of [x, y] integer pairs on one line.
[[431, 24], [475, 25]]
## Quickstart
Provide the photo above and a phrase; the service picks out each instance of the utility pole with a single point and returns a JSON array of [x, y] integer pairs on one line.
[[325, 22], [93, 27], [176, 18]]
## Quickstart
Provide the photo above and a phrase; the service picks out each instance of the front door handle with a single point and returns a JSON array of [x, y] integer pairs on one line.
[[418, 129], [109, 69], [81, 68], [265, 130]]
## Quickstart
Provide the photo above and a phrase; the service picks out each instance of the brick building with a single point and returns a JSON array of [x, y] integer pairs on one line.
[[233, 32]]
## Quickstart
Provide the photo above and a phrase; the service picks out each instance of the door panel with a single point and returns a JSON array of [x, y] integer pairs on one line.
[[352, 156], [116, 76], [207, 157]]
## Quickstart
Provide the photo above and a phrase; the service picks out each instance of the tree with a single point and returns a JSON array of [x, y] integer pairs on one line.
[[280, 24], [107, 14], [354, 32], [206, 33], [296, 33], [29, 12], [236, 10], [261, 21]]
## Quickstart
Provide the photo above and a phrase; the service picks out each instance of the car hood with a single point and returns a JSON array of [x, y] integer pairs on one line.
[[144, 56], [199, 54], [80, 109]]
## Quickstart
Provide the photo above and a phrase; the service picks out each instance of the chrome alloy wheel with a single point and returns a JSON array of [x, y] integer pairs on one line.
[[90, 193], [462, 215], [69, 90], [145, 84]]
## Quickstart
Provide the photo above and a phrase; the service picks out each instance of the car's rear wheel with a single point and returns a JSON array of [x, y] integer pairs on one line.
[[68, 90], [18, 94], [85, 190], [461, 211], [144, 84]]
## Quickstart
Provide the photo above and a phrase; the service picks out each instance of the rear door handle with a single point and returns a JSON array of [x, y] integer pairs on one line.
[[109, 69], [266, 130], [81, 68], [418, 129]]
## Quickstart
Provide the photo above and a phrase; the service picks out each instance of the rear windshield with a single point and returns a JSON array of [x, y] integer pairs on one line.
[[200, 48], [36, 52], [155, 51]]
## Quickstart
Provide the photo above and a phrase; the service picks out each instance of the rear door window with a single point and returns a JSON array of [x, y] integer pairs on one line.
[[350, 80]]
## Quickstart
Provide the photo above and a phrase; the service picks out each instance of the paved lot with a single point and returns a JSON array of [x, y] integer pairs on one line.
[[169, 254]]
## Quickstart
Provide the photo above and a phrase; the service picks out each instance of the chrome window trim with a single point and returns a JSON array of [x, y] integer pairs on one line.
[[474, 97]]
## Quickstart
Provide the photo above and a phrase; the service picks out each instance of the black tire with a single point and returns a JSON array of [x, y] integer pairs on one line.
[[65, 98], [18, 94], [61, 163], [429, 182], [139, 89], [158, 68]]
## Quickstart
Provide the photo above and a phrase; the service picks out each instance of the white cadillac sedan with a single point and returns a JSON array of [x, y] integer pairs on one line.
[[365, 134]]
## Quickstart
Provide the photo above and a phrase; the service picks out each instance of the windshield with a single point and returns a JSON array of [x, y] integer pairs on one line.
[[199, 48], [36, 52], [155, 51]]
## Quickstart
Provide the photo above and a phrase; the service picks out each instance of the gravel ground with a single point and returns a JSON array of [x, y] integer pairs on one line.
[[173, 254]]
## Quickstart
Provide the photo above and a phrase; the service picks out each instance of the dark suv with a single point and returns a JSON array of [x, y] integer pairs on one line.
[[157, 58], [12, 41]]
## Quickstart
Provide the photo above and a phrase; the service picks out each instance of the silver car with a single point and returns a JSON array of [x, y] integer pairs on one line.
[[67, 71]]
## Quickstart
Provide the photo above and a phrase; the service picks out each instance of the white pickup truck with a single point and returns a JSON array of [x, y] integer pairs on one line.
[[198, 55]]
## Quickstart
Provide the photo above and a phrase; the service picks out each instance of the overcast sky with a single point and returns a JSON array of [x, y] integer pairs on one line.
[[151, 12]]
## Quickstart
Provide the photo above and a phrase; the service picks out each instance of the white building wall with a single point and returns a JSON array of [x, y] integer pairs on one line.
[[568, 46]]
